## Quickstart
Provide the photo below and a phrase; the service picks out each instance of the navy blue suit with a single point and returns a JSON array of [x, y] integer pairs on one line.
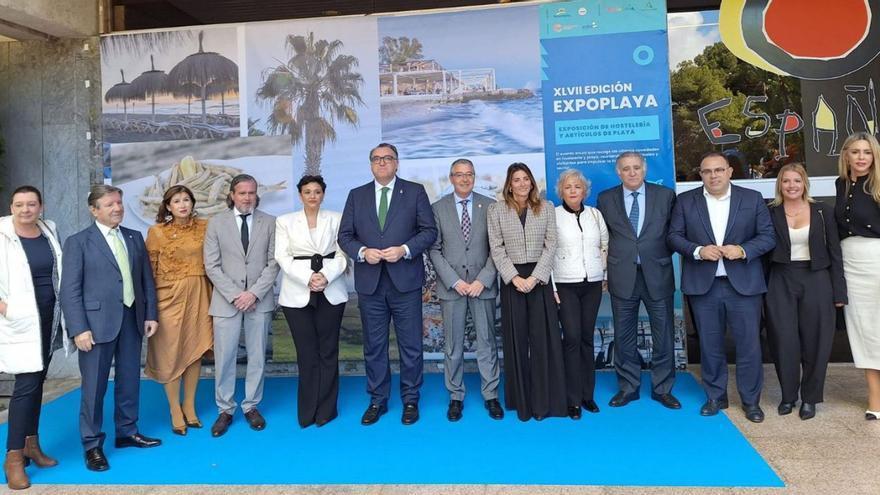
[[733, 301], [390, 290], [91, 298]]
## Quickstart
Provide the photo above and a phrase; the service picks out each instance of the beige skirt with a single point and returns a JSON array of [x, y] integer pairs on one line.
[[186, 331], [861, 267]]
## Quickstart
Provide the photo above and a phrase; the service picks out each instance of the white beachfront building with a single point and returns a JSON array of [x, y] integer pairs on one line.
[[428, 80]]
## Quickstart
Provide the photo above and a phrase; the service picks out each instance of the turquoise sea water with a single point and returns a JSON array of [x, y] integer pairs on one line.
[[432, 129]]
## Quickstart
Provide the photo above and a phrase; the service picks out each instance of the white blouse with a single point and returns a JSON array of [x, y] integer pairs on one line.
[[800, 243]]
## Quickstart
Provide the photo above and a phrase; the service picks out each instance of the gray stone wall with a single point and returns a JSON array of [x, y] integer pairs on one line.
[[46, 111], [50, 122]]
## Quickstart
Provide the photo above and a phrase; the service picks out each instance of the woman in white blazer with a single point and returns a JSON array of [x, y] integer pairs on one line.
[[31, 327], [578, 272], [313, 297]]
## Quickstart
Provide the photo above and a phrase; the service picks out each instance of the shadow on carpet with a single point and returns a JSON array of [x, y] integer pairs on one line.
[[641, 444]]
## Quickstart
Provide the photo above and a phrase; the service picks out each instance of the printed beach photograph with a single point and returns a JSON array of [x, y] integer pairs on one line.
[[314, 83], [461, 84], [170, 85], [144, 171]]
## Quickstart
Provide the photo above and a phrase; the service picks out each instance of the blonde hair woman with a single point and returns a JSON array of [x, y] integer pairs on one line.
[[858, 218], [806, 283], [578, 274]]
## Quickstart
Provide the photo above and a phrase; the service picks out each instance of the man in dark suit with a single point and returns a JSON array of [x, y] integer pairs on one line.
[[721, 231], [466, 282], [109, 301], [386, 226], [640, 272]]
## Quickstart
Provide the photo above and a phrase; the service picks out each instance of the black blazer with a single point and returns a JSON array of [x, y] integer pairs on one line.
[[650, 245], [824, 244]]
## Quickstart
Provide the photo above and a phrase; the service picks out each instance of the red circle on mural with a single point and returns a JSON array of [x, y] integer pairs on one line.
[[816, 28]]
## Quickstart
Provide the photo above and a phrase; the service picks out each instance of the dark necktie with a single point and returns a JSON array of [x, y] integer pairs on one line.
[[245, 235], [634, 213], [383, 208], [465, 220]]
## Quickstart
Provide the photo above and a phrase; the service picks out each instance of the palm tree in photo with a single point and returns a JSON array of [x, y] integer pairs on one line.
[[314, 89], [397, 51]]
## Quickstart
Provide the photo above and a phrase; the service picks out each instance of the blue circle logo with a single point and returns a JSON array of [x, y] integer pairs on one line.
[[643, 55]]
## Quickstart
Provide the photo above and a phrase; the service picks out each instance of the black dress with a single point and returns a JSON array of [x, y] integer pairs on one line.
[[534, 376]]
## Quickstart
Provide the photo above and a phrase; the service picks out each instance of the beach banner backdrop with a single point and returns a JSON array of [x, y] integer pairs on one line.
[[279, 99], [605, 90]]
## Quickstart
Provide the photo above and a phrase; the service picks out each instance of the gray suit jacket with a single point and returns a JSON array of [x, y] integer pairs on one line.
[[232, 271], [650, 245], [512, 244], [453, 258]]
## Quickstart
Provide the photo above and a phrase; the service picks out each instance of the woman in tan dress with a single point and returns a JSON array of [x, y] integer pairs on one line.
[[185, 333]]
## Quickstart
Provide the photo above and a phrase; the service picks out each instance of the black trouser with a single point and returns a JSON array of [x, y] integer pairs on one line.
[[315, 331], [800, 324], [27, 394], [578, 307]]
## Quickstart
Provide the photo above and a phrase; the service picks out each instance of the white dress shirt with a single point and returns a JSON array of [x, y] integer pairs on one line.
[[470, 206], [719, 212], [628, 201], [389, 194], [107, 232], [250, 221]]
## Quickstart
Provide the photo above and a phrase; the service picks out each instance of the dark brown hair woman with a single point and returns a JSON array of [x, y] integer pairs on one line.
[[31, 327], [522, 240], [174, 353]]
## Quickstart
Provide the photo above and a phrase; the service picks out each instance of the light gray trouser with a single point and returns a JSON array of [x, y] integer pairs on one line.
[[454, 317], [226, 335]]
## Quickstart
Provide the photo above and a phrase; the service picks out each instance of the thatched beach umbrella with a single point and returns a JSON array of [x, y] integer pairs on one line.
[[149, 84], [200, 70], [221, 88], [123, 92]]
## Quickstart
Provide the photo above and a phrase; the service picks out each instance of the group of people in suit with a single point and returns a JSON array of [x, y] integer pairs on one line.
[[196, 285]]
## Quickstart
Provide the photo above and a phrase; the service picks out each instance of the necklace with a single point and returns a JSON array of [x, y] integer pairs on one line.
[[796, 213]]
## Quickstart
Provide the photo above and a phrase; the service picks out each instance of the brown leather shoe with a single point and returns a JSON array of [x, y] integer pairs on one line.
[[221, 425], [16, 478], [255, 419], [33, 452]]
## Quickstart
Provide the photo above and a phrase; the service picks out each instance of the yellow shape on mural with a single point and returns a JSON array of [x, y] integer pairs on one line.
[[730, 26]]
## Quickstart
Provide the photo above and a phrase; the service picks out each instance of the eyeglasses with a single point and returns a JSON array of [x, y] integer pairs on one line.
[[706, 172], [387, 159], [463, 175]]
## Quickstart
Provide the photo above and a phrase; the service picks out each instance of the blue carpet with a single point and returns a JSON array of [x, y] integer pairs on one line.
[[640, 444]]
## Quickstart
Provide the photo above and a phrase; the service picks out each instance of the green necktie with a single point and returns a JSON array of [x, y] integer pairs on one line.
[[383, 208], [124, 267]]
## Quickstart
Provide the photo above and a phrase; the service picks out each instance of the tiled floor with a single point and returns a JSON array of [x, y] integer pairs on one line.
[[836, 453]]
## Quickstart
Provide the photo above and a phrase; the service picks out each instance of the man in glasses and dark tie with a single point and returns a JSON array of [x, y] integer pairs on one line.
[[639, 272], [466, 282], [240, 261], [386, 226]]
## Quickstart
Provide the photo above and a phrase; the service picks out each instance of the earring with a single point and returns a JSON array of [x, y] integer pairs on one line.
[[168, 218]]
